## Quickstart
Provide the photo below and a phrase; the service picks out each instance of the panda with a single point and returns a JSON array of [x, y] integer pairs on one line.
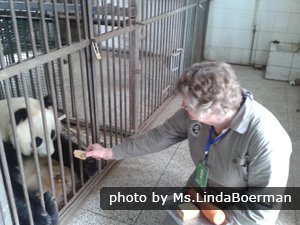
[[40, 215]]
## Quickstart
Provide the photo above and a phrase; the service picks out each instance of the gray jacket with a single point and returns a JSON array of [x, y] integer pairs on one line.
[[254, 152]]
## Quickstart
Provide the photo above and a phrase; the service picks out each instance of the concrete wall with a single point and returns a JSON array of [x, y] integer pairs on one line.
[[230, 25]]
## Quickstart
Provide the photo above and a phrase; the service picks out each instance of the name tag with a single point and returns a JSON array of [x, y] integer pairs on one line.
[[201, 174]]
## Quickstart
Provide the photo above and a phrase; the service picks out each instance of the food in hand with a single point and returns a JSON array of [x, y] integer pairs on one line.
[[79, 154]]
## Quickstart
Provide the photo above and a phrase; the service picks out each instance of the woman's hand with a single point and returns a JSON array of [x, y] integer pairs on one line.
[[98, 152]]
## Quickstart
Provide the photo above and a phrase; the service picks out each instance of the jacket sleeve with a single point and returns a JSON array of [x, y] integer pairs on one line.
[[172, 131]]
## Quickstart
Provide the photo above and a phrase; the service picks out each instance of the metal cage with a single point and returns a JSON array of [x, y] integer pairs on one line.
[[108, 65]]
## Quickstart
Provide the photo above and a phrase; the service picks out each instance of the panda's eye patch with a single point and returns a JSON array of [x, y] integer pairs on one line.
[[38, 141], [52, 134]]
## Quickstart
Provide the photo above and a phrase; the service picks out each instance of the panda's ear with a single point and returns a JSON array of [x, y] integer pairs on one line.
[[47, 101], [21, 115]]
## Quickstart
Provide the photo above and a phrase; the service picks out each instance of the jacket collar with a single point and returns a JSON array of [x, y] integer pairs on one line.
[[241, 121]]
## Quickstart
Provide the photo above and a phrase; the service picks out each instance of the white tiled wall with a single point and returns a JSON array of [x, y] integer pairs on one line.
[[230, 25]]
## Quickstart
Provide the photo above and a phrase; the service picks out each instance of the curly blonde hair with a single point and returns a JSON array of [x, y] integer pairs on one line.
[[210, 87]]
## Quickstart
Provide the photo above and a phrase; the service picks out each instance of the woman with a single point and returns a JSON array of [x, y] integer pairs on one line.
[[234, 141]]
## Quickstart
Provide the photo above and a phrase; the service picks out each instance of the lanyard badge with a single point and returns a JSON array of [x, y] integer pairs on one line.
[[201, 169], [202, 174]]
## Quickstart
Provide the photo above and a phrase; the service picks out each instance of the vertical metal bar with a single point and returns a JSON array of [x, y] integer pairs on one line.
[[5, 215], [185, 25], [145, 74], [151, 75], [204, 29], [85, 18], [154, 56], [15, 27], [4, 161], [125, 70], [120, 73], [114, 90], [181, 42], [107, 71], [74, 109], [165, 58], [131, 3], [195, 38], [31, 30], [113, 15], [173, 50], [78, 27], [4, 207], [102, 98], [68, 28], [157, 71], [181, 30], [57, 130], [142, 76], [108, 76], [32, 135], [18, 152], [146, 58], [150, 63], [98, 17], [58, 34], [84, 93], [158, 57], [170, 42], [54, 101], [133, 49], [95, 105], [114, 74], [142, 72], [92, 75], [177, 35], [46, 47], [46, 132], [66, 112], [162, 60]]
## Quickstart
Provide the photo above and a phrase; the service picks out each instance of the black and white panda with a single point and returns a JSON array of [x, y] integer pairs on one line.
[[25, 144]]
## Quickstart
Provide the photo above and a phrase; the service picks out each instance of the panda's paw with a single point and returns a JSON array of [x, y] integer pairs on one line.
[[90, 166], [50, 203], [45, 219]]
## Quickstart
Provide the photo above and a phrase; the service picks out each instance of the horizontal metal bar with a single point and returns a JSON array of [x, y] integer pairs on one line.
[[60, 7], [40, 60], [137, 24], [34, 6], [167, 14]]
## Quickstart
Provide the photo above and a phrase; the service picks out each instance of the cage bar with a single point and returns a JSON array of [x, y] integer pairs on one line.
[[46, 48]]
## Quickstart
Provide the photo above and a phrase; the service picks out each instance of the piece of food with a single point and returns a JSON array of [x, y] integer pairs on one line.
[[210, 211], [188, 211], [79, 154], [216, 216]]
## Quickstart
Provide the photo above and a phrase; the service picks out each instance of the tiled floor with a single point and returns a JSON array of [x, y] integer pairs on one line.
[[173, 166]]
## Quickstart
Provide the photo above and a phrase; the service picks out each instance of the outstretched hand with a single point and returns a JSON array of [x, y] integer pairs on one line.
[[99, 152]]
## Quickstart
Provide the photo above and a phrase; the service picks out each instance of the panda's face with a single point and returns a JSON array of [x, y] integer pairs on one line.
[[42, 139]]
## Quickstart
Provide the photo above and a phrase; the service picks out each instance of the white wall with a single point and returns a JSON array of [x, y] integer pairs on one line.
[[230, 25]]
